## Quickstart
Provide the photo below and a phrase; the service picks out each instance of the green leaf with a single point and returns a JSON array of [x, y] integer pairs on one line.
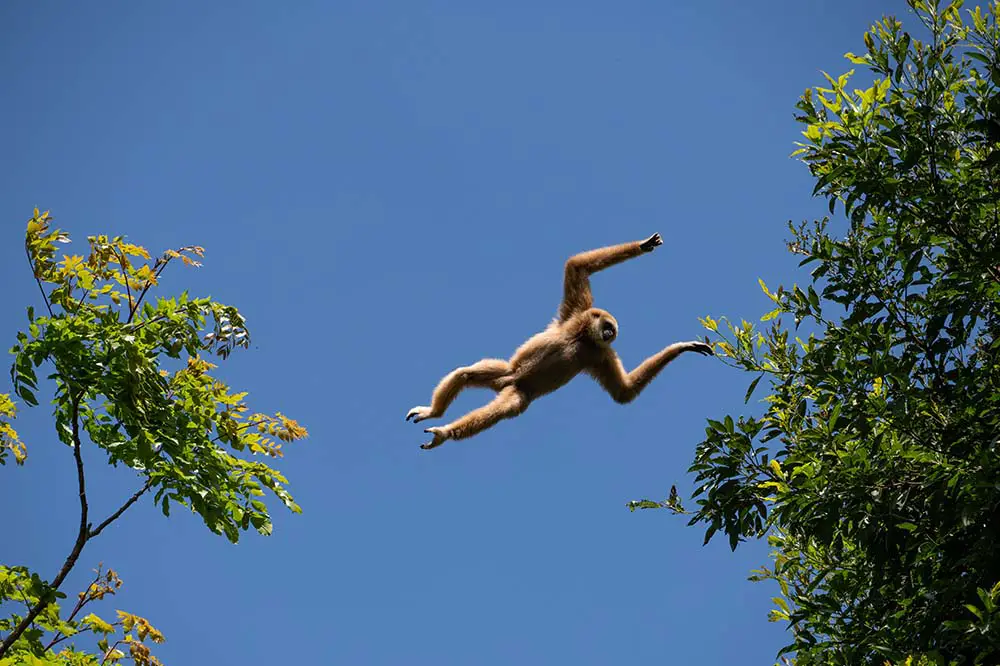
[[975, 611], [27, 395], [750, 390], [712, 529], [884, 414], [643, 504], [772, 314], [717, 426]]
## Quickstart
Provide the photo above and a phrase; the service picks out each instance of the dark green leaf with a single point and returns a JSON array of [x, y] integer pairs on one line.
[[751, 388]]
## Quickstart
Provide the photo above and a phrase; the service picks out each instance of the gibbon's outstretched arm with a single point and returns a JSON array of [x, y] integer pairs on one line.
[[624, 387], [576, 284]]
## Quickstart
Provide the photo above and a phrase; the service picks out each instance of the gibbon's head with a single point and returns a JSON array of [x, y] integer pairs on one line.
[[602, 327]]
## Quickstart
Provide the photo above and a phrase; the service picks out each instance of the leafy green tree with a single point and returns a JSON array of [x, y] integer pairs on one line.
[[130, 379], [874, 467]]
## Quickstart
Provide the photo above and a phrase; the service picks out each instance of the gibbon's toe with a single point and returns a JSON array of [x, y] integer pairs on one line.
[[418, 414], [439, 438]]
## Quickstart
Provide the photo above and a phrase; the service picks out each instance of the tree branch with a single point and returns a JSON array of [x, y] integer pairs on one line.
[[45, 298], [149, 283], [121, 262], [81, 602], [151, 320], [83, 296], [81, 538], [110, 650], [63, 637], [131, 500]]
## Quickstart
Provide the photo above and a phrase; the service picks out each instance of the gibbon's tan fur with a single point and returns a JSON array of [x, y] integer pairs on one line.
[[578, 340]]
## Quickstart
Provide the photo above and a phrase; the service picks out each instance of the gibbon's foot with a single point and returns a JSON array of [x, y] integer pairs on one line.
[[440, 437], [418, 414], [701, 347], [651, 242]]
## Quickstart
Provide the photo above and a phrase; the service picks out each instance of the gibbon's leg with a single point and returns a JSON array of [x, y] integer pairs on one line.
[[623, 387], [484, 374], [579, 268], [509, 403]]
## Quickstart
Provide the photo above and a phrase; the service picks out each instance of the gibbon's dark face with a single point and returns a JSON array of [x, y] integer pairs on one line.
[[608, 331], [604, 328]]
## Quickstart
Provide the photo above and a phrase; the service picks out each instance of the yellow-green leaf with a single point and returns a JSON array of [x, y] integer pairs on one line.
[[776, 468], [772, 314]]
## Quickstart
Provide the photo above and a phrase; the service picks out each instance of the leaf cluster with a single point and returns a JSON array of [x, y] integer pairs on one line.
[[53, 640], [874, 469], [132, 378], [132, 373]]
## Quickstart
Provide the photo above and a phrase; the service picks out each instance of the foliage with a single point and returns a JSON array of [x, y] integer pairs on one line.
[[130, 378], [874, 468], [38, 645], [10, 443]]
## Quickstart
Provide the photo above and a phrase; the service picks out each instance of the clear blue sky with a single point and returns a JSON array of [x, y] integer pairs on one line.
[[388, 190]]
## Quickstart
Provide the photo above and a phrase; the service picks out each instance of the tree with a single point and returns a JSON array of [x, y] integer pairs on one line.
[[130, 379], [874, 469]]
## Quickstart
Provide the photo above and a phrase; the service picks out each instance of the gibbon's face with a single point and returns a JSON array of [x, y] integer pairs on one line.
[[603, 327]]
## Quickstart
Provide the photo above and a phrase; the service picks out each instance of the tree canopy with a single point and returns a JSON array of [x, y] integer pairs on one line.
[[131, 378], [874, 466]]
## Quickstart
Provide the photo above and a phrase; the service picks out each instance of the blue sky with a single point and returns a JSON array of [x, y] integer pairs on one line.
[[388, 190]]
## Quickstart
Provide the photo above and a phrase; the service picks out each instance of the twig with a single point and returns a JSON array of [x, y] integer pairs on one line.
[[148, 321], [149, 283], [121, 262], [24, 598], [131, 500], [83, 296], [110, 650], [45, 298], [81, 602], [62, 638], [239, 428]]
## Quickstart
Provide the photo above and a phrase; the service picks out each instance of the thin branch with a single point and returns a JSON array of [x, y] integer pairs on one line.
[[24, 598], [83, 296], [81, 538], [131, 500], [952, 231], [149, 283], [81, 602], [60, 638], [240, 428], [45, 298], [149, 321], [110, 650], [121, 262], [82, 631]]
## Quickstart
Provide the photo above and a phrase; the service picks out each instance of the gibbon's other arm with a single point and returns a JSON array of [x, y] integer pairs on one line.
[[576, 284], [624, 387]]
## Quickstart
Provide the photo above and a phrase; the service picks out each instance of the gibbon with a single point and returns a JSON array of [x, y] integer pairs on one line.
[[578, 340]]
